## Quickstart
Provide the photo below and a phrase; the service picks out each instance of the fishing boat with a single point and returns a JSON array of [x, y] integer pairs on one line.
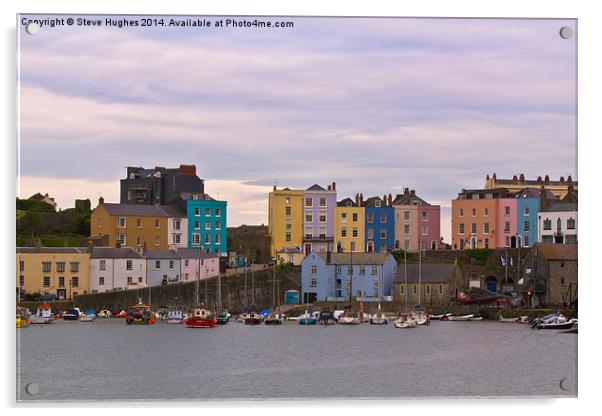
[[201, 318], [441, 317], [43, 315], [174, 316], [22, 317], [274, 319], [544, 319], [89, 315], [140, 314], [326, 318], [253, 319], [105, 314], [307, 319], [72, 314], [405, 321], [558, 322]]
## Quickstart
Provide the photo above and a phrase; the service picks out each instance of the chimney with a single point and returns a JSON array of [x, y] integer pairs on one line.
[[406, 191], [334, 186], [514, 178], [274, 187], [562, 179], [543, 201], [547, 179], [412, 193], [357, 199], [384, 200], [522, 178], [361, 200], [390, 200], [188, 169], [329, 187], [494, 177], [101, 200], [570, 179], [487, 178], [539, 179]]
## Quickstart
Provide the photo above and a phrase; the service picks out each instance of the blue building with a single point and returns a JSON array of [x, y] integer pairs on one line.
[[380, 225], [331, 276], [528, 205], [207, 225]]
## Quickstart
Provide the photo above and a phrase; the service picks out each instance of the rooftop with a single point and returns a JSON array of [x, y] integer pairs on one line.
[[356, 258], [558, 251], [431, 273], [144, 210], [114, 253], [53, 250], [193, 253]]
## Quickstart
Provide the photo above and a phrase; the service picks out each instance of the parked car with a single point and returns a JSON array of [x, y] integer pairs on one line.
[[47, 297]]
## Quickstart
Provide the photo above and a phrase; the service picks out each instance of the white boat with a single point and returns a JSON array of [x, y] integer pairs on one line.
[[86, 318], [174, 316], [350, 318], [405, 321], [461, 318], [105, 313], [242, 317], [420, 316], [378, 318], [43, 315]]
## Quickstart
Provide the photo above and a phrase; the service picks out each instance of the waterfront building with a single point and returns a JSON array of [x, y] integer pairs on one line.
[[285, 219], [528, 205], [318, 218], [349, 226], [417, 223], [207, 225], [380, 224], [518, 182], [116, 268], [557, 223], [428, 286], [506, 226], [161, 186], [141, 227], [61, 271], [327, 276], [162, 267], [197, 265]]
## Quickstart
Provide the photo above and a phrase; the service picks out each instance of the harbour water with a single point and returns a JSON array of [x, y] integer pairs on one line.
[[108, 360]]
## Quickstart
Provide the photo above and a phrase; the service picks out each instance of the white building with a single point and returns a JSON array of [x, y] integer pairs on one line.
[[177, 232], [112, 268], [558, 224]]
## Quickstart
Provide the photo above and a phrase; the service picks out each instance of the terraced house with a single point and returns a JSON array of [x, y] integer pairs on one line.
[[207, 225], [61, 271], [285, 220], [417, 223], [116, 268], [349, 226], [318, 218], [380, 224]]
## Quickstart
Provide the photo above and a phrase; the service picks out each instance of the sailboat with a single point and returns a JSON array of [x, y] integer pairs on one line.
[[405, 320], [350, 317], [200, 317], [379, 317]]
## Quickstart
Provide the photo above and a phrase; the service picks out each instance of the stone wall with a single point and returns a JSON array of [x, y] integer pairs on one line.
[[562, 273]]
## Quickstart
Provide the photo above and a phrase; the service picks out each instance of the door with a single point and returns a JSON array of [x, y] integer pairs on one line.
[[491, 285], [61, 293], [307, 249]]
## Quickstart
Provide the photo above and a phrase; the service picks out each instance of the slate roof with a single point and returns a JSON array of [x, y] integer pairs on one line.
[[356, 258], [162, 254], [193, 253], [534, 182], [407, 199], [558, 251], [347, 202], [431, 273], [534, 193], [53, 250], [115, 253], [560, 207], [144, 210], [370, 202], [315, 187]]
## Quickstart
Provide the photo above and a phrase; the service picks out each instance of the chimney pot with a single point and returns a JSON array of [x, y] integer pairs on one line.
[[562, 179], [547, 179], [101, 200], [413, 192], [328, 187], [487, 178], [539, 179], [514, 178], [570, 179], [494, 176], [522, 178], [334, 186]]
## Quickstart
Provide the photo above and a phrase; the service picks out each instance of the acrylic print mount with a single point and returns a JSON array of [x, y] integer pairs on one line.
[[252, 207]]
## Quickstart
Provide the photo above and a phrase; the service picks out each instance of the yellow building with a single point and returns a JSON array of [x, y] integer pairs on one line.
[[518, 182], [138, 226], [349, 226], [62, 271], [285, 215]]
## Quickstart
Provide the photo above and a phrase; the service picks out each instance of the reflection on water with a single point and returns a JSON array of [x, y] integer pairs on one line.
[[108, 360]]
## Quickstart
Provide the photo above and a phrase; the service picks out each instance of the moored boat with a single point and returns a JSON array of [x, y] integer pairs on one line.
[[326, 318], [72, 314], [420, 316], [350, 318], [378, 318], [174, 316], [559, 322], [274, 319], [405, 321], [460, 317], [43, 315], [223, 318], [242, 317], [441, 317], [253, 319], [105, 314], [140, 314], [201, 318], [22, 317], [307, 319]]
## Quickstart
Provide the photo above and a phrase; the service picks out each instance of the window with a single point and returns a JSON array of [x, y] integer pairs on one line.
[[138, 241], [21, 265], [171, 264], [406, 229], [121, 222], [207, 212], [570, 224], [374, 270], [289, 225], [207, 225], [526, 226], [486, 228], [425, 216], [61, 281], [46, 281], [486, 243], [101, 280], [322, 202], [369, 218], [526, 211], [288, 237], [507, 241], [440, 289], [186, 263], [486, 212], [197, 225], [130, 280], [196, 238], [362, 270], [462, 244], [383, 217], [74, 266], [21, 281], [562, 279], [313, 282], [460, 228], [121, 239], [60, 266], [473, 228], [313, 269], [547, 224], [474, 212], [414, 289], [218, 212], [140, 279], [338, 269], [157, 224], [383, 247], [406, 244], [461, 212], [138, 223], [176, 238], [207, 239], [287, 200], [157, 264], [46, 265], [309, 202], [287, 211], [176, 224], [354, 232], [375, 288], [370, 233], [157, 241], [322, 233], [75, 281], [322, 216], [526, 240], [353, 246], [344, 232], [197, 212], [506, 210], [343, 217], [309, 232], [354, 217], [309, 216], [402, 289], [383, 234], [406, 215], [349, 270], [425, 230], [129, 265], [218, 238], [506, 226], [428, 289]]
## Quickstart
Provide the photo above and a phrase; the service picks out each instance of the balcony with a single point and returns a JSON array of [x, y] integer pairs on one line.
[[317, 239]]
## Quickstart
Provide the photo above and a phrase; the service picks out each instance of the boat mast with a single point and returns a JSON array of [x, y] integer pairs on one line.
[[198, 277], [419, 270], [274, 283]]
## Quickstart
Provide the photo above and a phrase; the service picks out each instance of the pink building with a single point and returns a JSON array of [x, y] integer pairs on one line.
[[506, 221], [417, 223], [192, 261], [429, 226]]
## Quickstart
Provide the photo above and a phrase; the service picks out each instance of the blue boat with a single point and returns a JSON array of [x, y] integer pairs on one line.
[[308, 318]]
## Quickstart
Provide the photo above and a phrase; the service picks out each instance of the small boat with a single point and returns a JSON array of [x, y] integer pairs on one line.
[[378, 318], [273, 319], [307, 319], [350, 318], [121, 314], [420, 316], [405, 321], [242, 317], [72, 314], [442, 317], [547, 318], [253, 319], [223, 318], [460, 318], [174, 316], [105, 314], [201, 318], [511, 320], [559, 322], [140, 314], [43, 315], [326, 318]]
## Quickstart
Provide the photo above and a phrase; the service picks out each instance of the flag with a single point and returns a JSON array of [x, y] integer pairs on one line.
[[503, 261]]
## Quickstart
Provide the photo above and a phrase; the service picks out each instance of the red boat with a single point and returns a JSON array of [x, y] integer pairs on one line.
[[254, 319], [201, 318]]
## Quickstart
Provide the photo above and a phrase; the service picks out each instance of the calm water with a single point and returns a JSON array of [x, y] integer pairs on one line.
[[108, 360]]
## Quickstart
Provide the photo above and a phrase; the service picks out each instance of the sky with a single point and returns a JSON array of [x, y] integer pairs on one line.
[[373, 104]]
